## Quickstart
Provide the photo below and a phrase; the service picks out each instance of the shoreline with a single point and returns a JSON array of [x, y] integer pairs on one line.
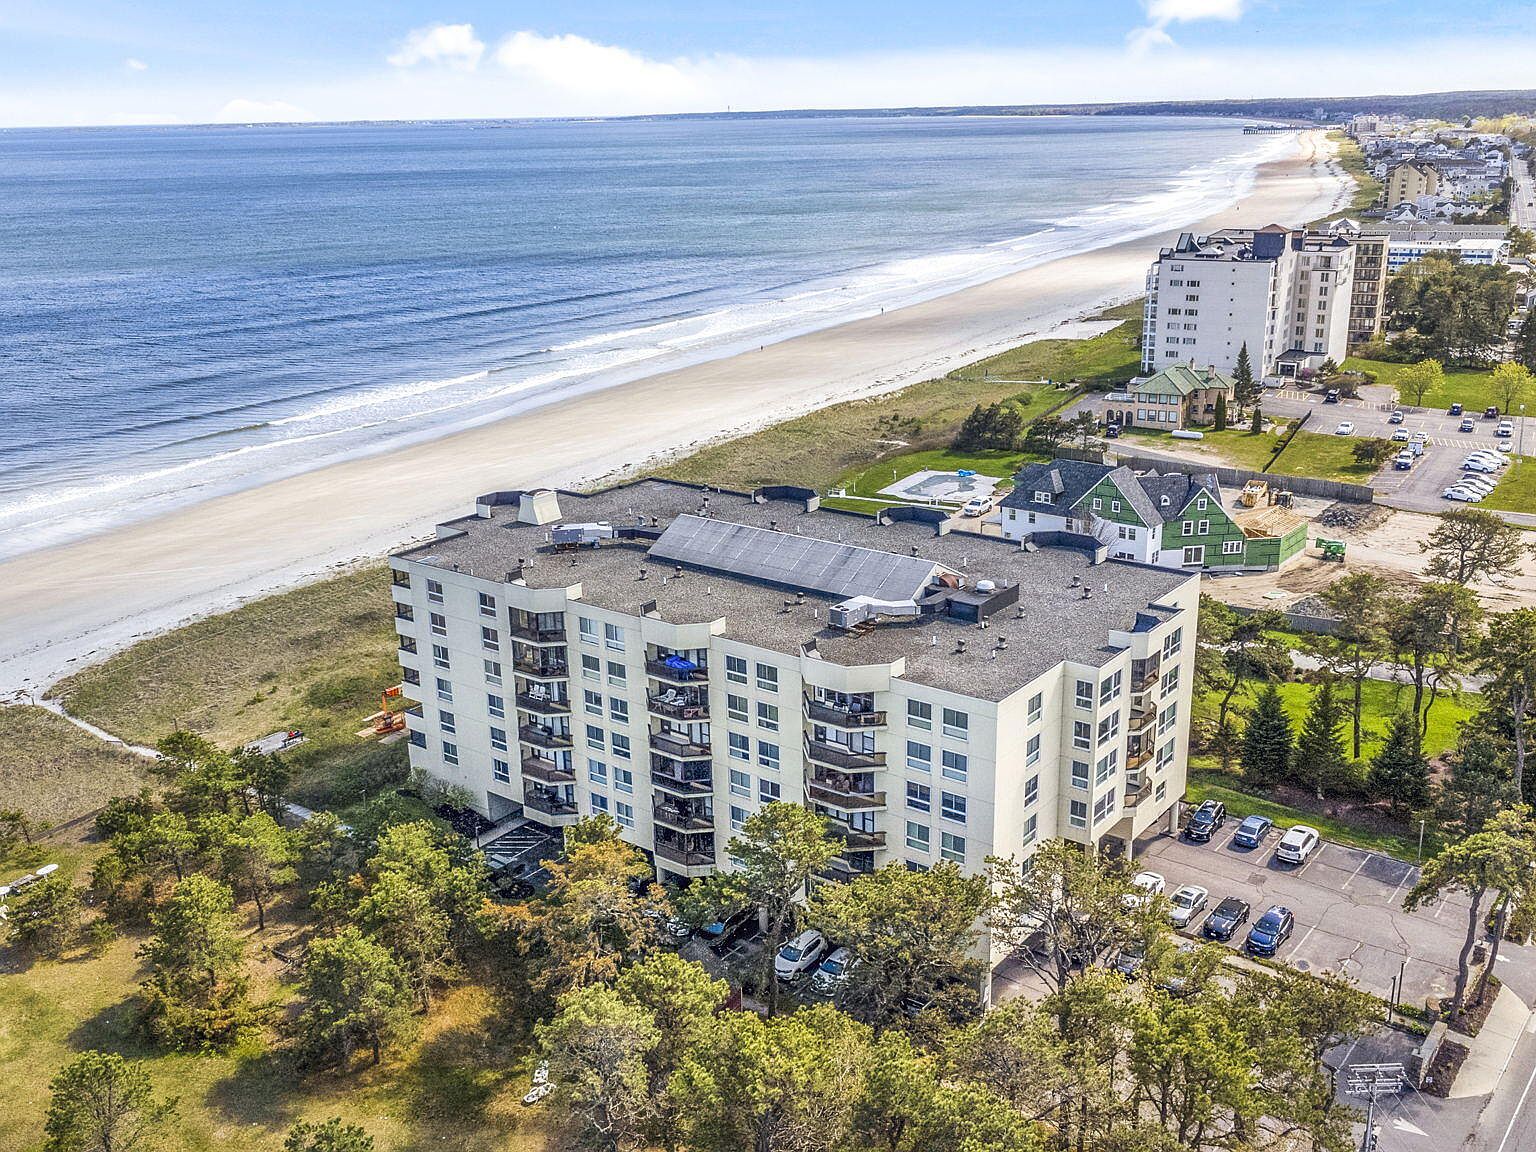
[[66, 604]]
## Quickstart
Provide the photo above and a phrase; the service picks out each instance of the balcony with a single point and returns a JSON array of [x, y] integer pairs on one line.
[[853, 839], [1141, 717], [541, 669], [680, 779], [837, 756], [678, 706], [670, 744], [844, 795], [841, 869], [824, 712], [679, 817], [543, 736], [547, 771], [1136, 758], [688, 857], [548, 808], [1144, 674], [676, 670], [531, 632], [543, 704]]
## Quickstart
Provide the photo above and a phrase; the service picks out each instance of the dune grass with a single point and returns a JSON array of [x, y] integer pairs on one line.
[[54, 772]]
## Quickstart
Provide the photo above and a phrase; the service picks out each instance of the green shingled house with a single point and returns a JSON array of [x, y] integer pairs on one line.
[[1180, 396]]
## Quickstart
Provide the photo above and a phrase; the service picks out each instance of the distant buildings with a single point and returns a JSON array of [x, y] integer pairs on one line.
[[1284, 293], [1179, 396], [1407, 183], [1172, 521], [1436, 173]]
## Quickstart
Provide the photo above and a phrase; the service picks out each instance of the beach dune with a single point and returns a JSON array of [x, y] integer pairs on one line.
[[61, 606]]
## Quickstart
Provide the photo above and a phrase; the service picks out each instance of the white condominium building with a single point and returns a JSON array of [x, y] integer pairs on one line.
[[676, 657], [1282, 292]]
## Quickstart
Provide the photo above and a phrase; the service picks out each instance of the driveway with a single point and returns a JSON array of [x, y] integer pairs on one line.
[[1348, 907]]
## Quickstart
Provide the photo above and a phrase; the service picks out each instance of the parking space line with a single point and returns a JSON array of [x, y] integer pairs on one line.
[[1356, 872], [1298, 945]]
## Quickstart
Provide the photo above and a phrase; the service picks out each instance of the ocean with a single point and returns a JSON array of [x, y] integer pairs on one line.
[[189, 311]]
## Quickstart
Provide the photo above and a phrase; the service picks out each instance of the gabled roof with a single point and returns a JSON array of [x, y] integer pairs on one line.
[[1179, 488], [1181, 380], [1068, 481]]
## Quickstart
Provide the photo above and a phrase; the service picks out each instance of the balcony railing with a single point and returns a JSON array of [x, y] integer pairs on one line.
[[542, 736], [688, 857], [841, 868], [545, 705], [681, 819], [530, 633], [821, 712], [1144, 674], [549, 804], [1141, 717], [681, 780], [837, 756], [681, 708], [678, 748], [547, 771], [838, 795], [854, 839], [1137, 759], [542, 669], [661, 670]]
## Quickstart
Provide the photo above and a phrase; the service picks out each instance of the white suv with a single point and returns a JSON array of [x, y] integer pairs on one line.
[[1297, 845]]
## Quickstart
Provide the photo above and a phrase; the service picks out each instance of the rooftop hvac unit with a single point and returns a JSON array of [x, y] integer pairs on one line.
[[582, 534]]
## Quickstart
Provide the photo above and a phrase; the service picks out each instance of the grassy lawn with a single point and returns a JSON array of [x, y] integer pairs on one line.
[[1323, 456], [315, 658], [55, 772], [458, 1087], [1214, 785], [1236, 447], [1352, 160], [867, 480], [1517, 490], [1470, 386], [832, 445]]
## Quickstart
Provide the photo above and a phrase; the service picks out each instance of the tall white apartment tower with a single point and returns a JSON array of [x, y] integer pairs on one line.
[[676, 657], [1284, 293]]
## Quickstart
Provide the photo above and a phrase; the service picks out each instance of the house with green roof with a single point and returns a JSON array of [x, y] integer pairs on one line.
[[1180, 396]]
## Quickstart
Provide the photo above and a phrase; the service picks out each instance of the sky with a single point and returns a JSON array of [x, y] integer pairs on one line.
[[85, 62]]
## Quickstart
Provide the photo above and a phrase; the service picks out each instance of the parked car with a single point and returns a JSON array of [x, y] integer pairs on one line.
[[1147, 885], [1505, 445], [1491, 412], [1466, 425], [1298, 844], [1331, 396], [1252, 831], [1488, 456], [726, 931], [977, 506], [1483, 484], [1112, 432], [1345, 428], [1403, 461], [1230, 915], [1504, 430], [832, 973], [1270, 931], [1464, 495], [1187, 903], [1454, 410], [1130, 960], [800, 955], [1480, 464], [1397, 416], [1205, 820], [1400, 436]]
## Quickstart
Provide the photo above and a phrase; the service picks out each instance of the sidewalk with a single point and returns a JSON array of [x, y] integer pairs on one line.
[[1490, 1050]]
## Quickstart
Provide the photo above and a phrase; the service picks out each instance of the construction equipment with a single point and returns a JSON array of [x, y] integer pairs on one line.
[[1255, 492], [1332, 549], [387, 720]]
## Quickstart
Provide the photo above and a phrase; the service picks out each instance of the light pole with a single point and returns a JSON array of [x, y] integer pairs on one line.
[[1419, 859]]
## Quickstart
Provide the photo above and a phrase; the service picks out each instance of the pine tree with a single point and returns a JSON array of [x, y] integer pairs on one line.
[[1242, 379], [1399, 773], [1221, 412], [1321, 756], [1268, 742], [1256, 425]]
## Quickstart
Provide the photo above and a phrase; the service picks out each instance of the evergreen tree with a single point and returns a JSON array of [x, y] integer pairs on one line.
[[1256, 425], [1478, 781], [1244, 392], [1221, 412], [1321, 757], [197, 984], [357, 995], [1268, 741], [45, 918], [332, 1136], [1399, 772], [103, 1103]]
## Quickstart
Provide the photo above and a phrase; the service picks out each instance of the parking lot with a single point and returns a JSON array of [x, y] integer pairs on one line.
[[1347, 903]]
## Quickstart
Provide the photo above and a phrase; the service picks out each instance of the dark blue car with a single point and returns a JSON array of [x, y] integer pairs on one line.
[[1251, 832], [1270, 931]]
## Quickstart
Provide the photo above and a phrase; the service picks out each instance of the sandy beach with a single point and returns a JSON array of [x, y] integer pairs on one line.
[[62, 606]]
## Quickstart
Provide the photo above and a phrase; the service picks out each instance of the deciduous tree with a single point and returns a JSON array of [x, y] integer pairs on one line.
[[1421, 379], [1506, 655], [1510, 384]]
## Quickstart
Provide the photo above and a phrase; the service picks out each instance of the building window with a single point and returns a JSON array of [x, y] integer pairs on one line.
[[499, 739], [741, 783], [492, 671], [434, 592], [624, 814], [450, 753], [1032, 751], [919, 797], [444, 689], [918, 836], [623, 780], [768, 754], [1097, 504], [1170, 680], [439, 656], [1080, 774], [954, 766], [1109, 689], [592, 702], [502, 771], [599, 803], [1077, 814], [613, 637], [1187, 528], [1205, 527], [735, 669], [496, 706], [1164, 756], [1031, 790], [618, 709], [410, 676], [490, 639], [1104, 806], [736, 708], [1173, 643], [1082, 734], [1114, 505], [768, 791], [767, 678], [596, 737], [621, 746], [738, 818], [418, 739], [1106, 766], [920, 714], [1083, 697], [1200, 504], [487, 605], [740, 746], [1031, 830], [618, 676], [597, 772], [1167, 718], [587, 629], [957, 725], [952, 807], [1109, 727], [447, 723], [1231, 547], [1160, 791], [768, 716], [952, 847], [438, 623], [919, 756], [591, 667], [1036, 708]]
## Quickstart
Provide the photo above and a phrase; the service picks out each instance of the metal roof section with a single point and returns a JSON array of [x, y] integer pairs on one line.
[[792, 561]]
